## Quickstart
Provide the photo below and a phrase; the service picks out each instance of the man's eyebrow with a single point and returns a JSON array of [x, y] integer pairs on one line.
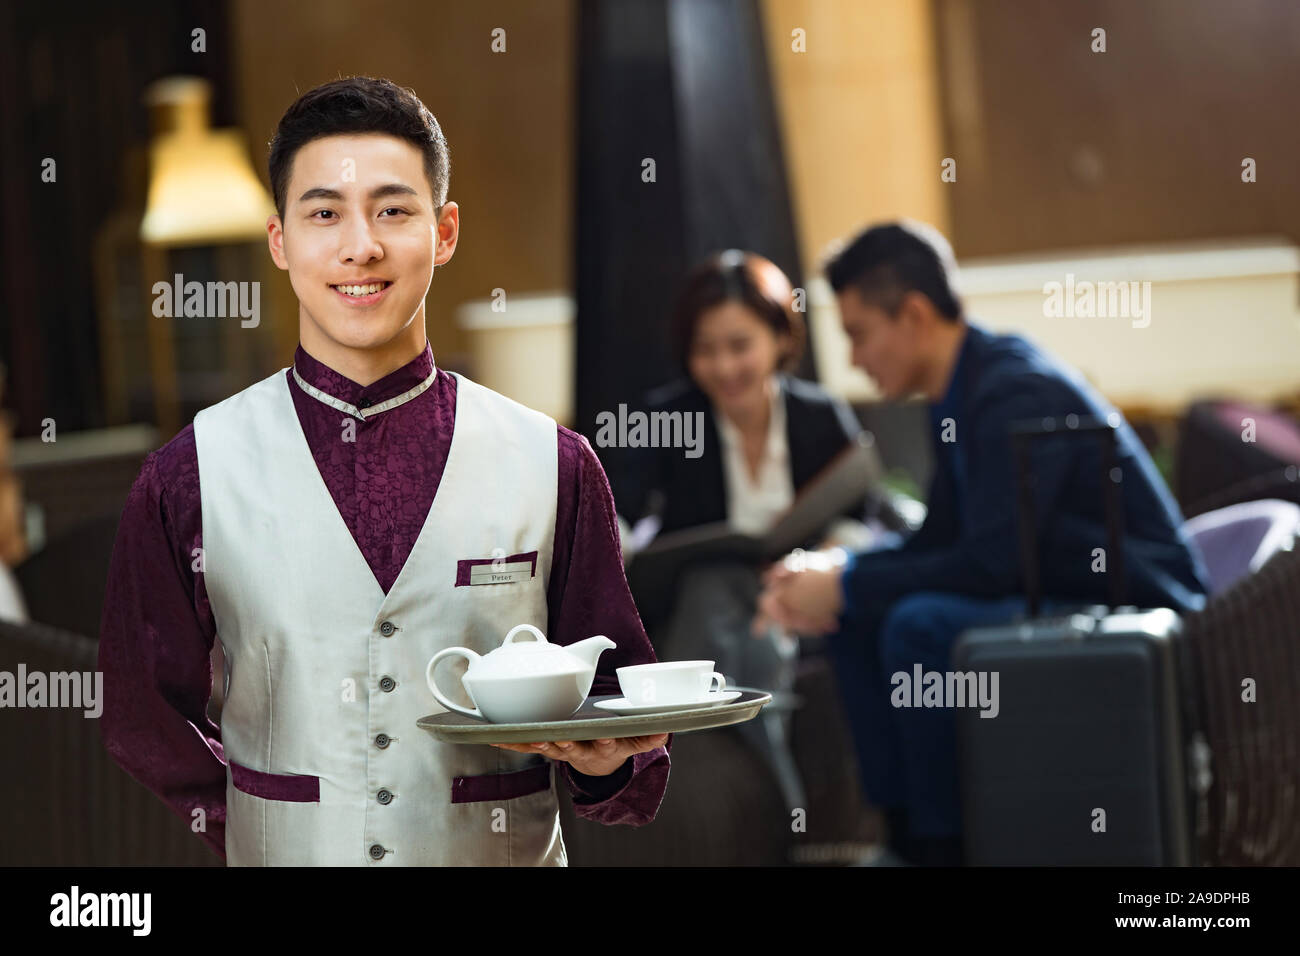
[[379, 192]]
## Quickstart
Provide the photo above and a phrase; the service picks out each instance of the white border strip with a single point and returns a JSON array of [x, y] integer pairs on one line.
[[355, 412]]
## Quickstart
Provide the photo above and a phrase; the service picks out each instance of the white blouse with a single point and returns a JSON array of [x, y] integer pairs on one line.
[[754, 505]]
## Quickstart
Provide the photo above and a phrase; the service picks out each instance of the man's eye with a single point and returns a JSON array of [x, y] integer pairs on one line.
[[396, 209], [319, 211]]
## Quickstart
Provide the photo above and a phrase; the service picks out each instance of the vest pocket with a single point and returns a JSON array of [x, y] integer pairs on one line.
[[291, 787], [501, 786], [535, 834], [515, 816]]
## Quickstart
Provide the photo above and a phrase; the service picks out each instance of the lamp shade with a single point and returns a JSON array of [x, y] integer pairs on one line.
[[202, 188]]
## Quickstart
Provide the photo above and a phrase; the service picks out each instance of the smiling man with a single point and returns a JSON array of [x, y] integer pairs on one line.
[[322, 523]]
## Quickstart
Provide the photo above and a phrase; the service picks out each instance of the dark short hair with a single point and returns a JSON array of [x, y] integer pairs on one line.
[[359, 104], [746, 277], [887, 261]]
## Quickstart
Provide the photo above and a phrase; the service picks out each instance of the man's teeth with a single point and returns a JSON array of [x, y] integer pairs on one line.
[[360, 289]]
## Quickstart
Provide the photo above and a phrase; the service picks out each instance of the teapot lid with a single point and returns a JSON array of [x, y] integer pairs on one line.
[[535, 658]]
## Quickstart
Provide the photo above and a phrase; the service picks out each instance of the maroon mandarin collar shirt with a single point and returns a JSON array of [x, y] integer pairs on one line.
[[157, 632]]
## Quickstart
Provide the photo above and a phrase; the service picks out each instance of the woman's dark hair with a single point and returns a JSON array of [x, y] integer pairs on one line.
[[886, 262], [359, 104], [735, 275]]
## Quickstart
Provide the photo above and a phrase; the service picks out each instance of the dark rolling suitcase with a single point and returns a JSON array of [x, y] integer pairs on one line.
[[1085, 762]]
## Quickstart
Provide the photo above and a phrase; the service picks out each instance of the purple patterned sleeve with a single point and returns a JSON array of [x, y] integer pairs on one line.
[[588, 557], [156, 637]]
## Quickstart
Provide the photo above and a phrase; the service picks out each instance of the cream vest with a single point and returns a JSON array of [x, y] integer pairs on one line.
[[325, 673]]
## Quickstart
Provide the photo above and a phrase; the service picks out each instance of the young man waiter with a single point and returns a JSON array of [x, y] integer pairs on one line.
[[321, 524]]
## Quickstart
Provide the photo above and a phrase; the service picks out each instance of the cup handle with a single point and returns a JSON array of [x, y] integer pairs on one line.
[[470, 656], [722, 683]]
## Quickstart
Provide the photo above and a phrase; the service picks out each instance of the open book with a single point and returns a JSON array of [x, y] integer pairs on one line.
[[848, 478]]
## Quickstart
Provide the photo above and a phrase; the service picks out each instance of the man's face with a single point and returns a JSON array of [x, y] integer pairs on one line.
[[359, 211], [886, 348]]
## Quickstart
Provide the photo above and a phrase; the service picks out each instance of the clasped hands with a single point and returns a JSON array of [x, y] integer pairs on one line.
[[802, 593]]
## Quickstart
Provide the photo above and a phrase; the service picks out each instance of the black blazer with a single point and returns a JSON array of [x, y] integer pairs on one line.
[[693, 491]]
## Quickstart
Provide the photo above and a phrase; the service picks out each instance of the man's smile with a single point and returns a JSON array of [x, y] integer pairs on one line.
[[362, 293]]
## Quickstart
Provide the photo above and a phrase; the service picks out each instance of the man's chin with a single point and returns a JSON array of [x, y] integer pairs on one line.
[[362, 334]]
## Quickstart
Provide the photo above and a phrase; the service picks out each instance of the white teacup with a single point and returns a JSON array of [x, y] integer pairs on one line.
[[669, 682]]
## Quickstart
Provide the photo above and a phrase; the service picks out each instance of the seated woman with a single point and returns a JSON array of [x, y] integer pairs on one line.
[[766, 434]]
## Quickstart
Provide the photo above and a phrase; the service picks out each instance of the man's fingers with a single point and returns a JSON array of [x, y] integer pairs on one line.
[[807, 624], [518, 748], [820, 625], [825, 625], [777, 573]]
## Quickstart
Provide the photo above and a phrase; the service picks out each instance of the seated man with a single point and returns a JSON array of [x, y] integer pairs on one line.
[[885, 610]]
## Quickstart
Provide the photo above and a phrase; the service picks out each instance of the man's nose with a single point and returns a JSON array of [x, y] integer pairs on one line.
[[358, 242]]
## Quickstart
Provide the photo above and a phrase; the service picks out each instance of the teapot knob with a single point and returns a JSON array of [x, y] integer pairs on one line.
[[510, 638]]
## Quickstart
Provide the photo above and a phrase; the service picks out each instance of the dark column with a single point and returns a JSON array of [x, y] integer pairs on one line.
[[685, 83]]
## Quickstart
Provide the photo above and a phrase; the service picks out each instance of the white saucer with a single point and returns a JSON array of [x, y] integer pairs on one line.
[[624, 708]]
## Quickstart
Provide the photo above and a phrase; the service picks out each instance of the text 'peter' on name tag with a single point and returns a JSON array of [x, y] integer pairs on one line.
[[503, 573]]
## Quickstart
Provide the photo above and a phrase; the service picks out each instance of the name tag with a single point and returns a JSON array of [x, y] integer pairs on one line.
[[504, 573], [499, 569]]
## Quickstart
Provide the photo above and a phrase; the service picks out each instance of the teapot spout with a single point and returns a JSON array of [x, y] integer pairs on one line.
[[589, 651]]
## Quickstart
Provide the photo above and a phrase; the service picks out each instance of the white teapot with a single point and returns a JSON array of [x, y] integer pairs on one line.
[[524, 681]]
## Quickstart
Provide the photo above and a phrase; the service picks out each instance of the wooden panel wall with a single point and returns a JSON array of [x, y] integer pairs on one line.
[[1058, 146]]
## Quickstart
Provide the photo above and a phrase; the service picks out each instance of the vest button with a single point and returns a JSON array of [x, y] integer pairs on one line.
[[377, 852], [385, 797], [386, 684], [387, 628], [382, 740]]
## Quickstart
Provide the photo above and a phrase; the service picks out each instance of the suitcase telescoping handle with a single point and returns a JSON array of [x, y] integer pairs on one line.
[[1023, 434]]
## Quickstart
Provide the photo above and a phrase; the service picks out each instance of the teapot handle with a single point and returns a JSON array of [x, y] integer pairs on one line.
[[470, 656], [510, 638]]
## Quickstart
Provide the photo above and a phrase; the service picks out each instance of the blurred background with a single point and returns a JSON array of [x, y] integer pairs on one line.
[[776, 126]]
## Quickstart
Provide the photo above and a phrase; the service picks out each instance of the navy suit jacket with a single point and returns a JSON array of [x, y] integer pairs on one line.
[[971, 546], [688, 492]]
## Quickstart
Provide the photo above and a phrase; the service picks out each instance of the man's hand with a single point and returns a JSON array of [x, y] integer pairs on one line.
[[802, 593], [595, 758]]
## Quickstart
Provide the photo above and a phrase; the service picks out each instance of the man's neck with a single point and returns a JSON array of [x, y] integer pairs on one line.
[[949, 338], [363, 366]]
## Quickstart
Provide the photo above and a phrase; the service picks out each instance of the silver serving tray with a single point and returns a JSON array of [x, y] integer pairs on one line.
[[591, 723]]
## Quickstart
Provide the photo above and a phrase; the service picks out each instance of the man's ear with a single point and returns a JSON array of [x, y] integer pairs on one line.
[[275, 242], [917, 309], [446, 233]]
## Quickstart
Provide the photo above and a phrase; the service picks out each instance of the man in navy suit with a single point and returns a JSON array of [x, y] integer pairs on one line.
[[886, 610]]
